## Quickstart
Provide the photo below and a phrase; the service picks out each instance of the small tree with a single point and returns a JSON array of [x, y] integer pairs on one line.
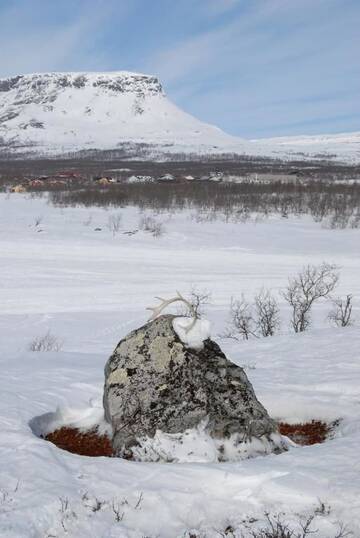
[[342, 311], [242, 322], [268, 313], [47, 342], [310, 285]]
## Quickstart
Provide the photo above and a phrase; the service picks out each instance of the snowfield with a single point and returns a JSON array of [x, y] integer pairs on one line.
[[90, 288]]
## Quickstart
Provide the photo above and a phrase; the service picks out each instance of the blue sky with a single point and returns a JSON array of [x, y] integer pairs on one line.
[[255, 68]]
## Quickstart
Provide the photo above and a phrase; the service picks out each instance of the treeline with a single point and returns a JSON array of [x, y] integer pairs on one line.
[[339, 202], [138, 151]]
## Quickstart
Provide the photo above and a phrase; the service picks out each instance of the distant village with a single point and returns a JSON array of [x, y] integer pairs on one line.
[[76, 180]]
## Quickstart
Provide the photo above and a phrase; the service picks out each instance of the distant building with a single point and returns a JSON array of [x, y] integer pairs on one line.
[[104, 181], [140, 179], [36, 183], [18, 188], [166, 177]]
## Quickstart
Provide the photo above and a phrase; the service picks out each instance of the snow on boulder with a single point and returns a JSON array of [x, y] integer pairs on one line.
[[192, 336], [160, 382]]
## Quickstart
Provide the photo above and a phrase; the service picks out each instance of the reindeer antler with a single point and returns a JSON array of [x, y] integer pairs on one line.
[[156, 310]]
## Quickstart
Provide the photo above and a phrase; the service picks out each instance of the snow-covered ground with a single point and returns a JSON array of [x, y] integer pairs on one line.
[[89, 288]]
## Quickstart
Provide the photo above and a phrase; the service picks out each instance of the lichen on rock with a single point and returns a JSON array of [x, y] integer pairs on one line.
[[155, 383]]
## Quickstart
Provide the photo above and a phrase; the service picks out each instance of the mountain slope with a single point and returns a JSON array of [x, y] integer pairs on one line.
[[54, 114], [59, 112], [343, 147]]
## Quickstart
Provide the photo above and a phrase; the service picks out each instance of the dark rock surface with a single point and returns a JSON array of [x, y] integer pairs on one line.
[[153, 382]]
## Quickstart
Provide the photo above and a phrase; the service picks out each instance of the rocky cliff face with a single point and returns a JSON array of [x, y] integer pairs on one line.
[[45, 88]]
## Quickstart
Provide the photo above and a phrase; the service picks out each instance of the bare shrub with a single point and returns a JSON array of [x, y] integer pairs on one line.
[[150, 224], [308, 286], [242, 323], [114, 223], [118, 513], [158, 229], [38, 220], [47, 342], [67, 515], [268, 313], [277, 528], [262, 318], [147, 223], [199, 299], [342, 311], [94, 504], [301, 526]]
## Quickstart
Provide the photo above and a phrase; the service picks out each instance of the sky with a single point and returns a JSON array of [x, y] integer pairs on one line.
[[254, 68]]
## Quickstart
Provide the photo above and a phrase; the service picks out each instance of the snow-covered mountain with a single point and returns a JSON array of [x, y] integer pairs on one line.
[[60, 112], [52, 114]]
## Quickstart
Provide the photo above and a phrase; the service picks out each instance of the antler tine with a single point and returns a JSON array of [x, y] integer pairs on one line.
[[156, 310], [181, 298]]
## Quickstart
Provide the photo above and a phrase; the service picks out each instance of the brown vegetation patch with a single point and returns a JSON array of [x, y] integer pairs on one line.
[[309, 433], [89, 443], [93, 444]]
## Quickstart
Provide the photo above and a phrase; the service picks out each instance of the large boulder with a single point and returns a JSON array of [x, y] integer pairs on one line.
[[153, 381]]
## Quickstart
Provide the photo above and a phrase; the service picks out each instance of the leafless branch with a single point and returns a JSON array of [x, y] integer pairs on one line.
[[268, 313], [166, 302], [342, 311], [308, 286]]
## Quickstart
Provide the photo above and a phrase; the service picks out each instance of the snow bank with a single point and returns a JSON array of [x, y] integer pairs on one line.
[[196, 445], [84, 419], [195, 337]]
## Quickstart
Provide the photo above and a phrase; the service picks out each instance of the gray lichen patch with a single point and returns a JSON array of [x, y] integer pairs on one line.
[[153, 382], [117, 376]]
